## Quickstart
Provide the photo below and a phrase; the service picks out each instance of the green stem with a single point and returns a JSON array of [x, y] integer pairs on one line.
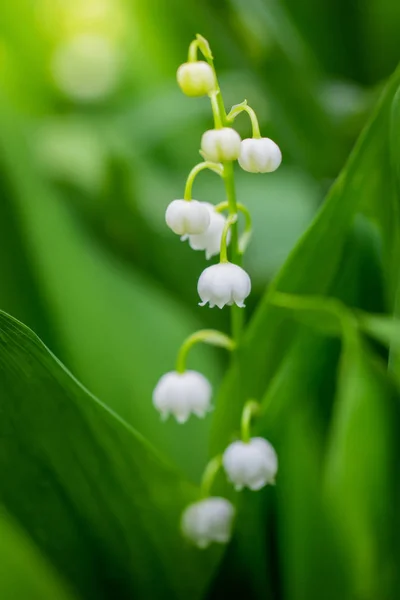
[[216, 167], [223, 257], [216, 109], [205, 336], [192, 55], [250, 410], [218, 106], [237, 314], [244, 239], [244, 107], [209, 475]]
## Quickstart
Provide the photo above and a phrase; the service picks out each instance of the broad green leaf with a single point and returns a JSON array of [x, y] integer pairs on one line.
[[296, 409], [395, 162], [23, 571], [89, 490], [361, 470]]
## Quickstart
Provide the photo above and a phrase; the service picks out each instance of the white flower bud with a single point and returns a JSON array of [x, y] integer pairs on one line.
[[224, 283], [259, 155], [187, 217], [196, 78], [208, 521], [182, 394], [210, 240], [221, 144], [253, 464]]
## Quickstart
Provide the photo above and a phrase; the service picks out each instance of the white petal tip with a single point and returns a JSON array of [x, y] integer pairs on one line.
[[200, 413], [181, 420]]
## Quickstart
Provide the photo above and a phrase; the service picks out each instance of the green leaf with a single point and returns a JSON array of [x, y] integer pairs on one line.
[[296, 409], [23, 571], [361, 470], [89, 490]]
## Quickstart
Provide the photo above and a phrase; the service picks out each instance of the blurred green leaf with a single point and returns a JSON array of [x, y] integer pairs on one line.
[[23, 571], [296, 408], [90, 491], [361, 470]]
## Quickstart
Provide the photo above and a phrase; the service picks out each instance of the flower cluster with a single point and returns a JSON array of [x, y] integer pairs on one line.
[[251, 461]]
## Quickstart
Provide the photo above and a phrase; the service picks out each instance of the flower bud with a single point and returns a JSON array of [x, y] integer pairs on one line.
[[208, 521], [253, 464], [187, 217], [182, 394], [196, 78], [210, 240], [259, 155], [224, 283], [221, 144]]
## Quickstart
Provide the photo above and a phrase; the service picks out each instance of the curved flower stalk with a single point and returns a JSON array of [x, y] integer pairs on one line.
[[251, 461]]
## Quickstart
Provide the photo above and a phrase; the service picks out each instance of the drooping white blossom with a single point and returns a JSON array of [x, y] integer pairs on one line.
[[253, 464], [224, 283], [182, 394], [209, 520], [222, 144], [210, 240], [259, 155], [187, 217], [196, 78]]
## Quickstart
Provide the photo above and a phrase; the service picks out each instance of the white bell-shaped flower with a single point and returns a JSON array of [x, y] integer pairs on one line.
[[209, 520], [181, 394], [253, 464], [224, 283], [259, 155], [186, 217], [210, 240], [218, 145], [196, 78]]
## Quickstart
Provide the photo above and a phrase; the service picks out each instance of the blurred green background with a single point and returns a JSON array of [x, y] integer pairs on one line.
[[96, 139]]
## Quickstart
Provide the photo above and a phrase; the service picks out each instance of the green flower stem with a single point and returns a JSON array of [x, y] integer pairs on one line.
[[220, 120], [237, 314], [251, 409], [205, 336], [192, 55], [210, 472], [231, 220], [232, 207], [216, 109], [244, 107], [216, 167], [244, 239]]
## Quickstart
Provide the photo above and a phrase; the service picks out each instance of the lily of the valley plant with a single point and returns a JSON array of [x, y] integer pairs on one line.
[[251, 461]]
